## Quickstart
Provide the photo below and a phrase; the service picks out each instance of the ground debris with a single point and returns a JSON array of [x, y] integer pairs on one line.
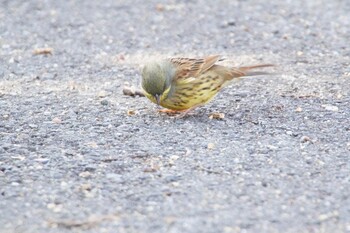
[[56, 120], [217, 115], [298, 109], [132, 91], [87, 223], [211, 146], [330, 107], [43, 51], [131, 112]]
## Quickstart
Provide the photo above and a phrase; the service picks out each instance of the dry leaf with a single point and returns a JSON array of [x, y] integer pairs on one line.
[[43, 51], [131, 112], [217, 115], [160, 7]]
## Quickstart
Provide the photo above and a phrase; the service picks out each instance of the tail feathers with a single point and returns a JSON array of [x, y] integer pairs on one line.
[[247, 72]]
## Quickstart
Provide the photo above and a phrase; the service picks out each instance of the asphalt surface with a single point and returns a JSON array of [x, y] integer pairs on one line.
[[76, 155]]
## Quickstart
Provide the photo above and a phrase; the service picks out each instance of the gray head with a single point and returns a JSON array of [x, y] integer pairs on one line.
[[156, 78]]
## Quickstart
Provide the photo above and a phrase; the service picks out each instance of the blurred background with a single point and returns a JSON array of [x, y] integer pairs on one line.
[[76, 155]]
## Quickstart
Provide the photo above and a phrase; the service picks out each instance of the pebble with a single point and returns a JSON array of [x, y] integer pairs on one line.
[[330, 107], [56, 120], [211, 146], [304, 139], [104, 102]]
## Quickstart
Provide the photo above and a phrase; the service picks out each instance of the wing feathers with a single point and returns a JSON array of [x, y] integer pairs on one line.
[[188, 67]]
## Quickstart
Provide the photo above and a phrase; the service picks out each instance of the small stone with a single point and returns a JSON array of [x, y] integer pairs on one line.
[[304, 139], [90, 168], [85, 187], [102, 94], [56, 120], [320, 162], [33, 126], [42, 160], [229, 229], [272, 147], [15, 184], [298, 109], [132, 91], [51, 205], [290, 133], [54, 207], [211, 146], [128, 91], [11, 60], [150, 169], [85, 174], [330, 107], [92, 145], [231, 23], [172, 159], [104, 102], [324, 217]]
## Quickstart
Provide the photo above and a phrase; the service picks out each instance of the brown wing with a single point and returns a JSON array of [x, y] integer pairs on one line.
[[189, 68]]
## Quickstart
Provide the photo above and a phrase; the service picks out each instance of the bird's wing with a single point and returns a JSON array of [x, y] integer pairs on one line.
[[189, 68]]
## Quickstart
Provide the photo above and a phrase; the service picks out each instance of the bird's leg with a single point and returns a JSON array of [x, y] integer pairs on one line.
[[169, 111], [178, 113], [185, 112]]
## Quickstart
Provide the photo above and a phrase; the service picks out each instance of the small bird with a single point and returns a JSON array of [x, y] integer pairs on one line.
[[182, 84]]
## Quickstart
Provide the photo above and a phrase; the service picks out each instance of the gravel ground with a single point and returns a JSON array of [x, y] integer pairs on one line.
[[73, 160]]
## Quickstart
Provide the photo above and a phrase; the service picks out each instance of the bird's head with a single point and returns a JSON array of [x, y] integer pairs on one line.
[[156, 80]]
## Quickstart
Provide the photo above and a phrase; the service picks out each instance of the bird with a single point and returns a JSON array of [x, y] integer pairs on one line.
[[182, 84]]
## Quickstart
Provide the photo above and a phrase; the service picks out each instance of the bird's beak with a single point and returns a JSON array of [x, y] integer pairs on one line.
[[157, 98]]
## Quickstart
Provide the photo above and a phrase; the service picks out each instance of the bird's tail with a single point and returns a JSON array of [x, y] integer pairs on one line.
[[246, 70]]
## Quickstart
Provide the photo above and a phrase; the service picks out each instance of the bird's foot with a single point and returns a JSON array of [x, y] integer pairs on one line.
[[176, 113], [169, 111]]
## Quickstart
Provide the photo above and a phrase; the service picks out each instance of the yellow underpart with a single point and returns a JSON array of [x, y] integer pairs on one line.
[[193, 92]]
